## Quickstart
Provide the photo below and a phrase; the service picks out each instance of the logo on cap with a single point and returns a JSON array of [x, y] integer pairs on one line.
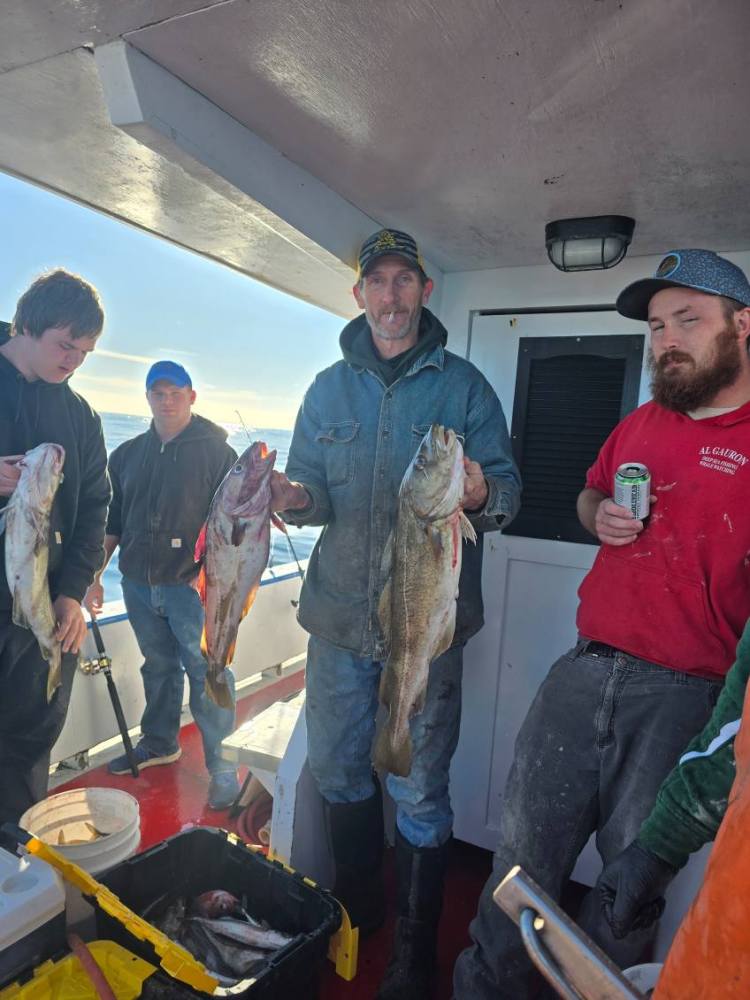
[[386, 241], [668, 266]]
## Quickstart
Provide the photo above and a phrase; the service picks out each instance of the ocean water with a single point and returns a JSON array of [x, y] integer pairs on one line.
[[119, 427]]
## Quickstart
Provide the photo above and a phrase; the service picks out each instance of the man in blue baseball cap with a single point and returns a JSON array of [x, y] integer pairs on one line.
[[163, 482], [659, 618]]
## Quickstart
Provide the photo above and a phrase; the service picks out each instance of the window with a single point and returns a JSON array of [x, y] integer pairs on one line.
[[570, 393]]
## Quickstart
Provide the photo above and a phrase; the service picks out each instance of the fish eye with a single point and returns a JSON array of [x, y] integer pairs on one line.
[[420, 462], [237, 469]]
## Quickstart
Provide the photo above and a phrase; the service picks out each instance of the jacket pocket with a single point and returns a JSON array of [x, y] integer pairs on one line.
[[339, 442]]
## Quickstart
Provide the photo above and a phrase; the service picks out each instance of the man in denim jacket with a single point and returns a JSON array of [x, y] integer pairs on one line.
[[359, 426]]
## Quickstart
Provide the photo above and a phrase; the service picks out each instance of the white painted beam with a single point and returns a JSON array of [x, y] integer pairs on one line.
[[152, 105]]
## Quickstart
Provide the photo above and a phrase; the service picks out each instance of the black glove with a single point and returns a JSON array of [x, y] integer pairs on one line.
[[631, 889]]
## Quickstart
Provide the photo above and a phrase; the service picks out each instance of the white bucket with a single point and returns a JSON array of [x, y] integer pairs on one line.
[[112, 813]]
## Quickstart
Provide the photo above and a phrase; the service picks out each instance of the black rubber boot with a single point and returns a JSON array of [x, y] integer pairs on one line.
[[420, 872], [355, 835]]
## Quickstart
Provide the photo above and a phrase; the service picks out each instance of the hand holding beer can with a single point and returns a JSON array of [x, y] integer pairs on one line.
[[633, 489]]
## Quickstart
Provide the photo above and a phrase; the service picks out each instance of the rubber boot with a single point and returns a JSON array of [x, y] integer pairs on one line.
[[355, 836], [420, 872]]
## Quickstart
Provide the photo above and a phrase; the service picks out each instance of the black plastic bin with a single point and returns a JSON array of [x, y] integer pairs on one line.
[[204, 858]]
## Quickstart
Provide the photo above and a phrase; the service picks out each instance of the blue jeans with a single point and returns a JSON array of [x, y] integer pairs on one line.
[[168, 621], [341, 705]]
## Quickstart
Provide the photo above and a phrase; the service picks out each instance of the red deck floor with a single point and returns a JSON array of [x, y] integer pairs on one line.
[[174, 797]]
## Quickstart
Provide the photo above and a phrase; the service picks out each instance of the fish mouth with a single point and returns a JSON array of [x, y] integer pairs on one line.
[[58, 457], [259, 462], [56, 454]]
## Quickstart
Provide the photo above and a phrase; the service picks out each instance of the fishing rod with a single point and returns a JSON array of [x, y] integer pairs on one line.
[[103, 664]]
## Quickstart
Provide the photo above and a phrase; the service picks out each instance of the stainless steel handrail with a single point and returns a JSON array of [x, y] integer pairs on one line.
[[567, 958]]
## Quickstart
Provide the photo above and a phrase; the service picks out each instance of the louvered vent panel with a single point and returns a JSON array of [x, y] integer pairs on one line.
[[572, 403]]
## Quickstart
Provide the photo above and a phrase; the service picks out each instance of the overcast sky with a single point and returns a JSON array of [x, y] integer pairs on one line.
[[247, 347]]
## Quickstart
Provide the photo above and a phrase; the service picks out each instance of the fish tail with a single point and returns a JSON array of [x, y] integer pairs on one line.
[[393, 750], [218, 691], [54, 673]]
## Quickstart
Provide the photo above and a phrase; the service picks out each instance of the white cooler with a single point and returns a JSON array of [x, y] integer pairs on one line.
[[32, 914]]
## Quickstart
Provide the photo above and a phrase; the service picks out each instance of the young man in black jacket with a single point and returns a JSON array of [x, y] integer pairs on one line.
[[57, 323], [163, 483]]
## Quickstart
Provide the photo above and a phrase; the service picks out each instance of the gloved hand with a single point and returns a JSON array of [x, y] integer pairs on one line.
[[631, 889]]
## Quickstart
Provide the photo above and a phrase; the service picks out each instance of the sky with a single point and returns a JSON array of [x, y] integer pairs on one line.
[[248, 347]]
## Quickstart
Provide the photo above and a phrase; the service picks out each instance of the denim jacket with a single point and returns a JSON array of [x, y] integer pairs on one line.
[[353, 440]]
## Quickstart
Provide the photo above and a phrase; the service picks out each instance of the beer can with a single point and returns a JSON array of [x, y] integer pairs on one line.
[[633, 488]]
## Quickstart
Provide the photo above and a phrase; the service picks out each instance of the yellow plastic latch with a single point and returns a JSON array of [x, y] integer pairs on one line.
[[174, 959], [343, 948]]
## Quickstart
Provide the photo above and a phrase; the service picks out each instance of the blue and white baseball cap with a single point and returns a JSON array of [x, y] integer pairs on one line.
[[169, 371], [703, 270]]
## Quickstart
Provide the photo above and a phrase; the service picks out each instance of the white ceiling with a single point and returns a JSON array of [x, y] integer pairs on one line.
[[469, 123]]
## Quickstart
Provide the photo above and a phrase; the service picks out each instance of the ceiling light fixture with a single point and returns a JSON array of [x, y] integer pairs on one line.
[[590, 244]]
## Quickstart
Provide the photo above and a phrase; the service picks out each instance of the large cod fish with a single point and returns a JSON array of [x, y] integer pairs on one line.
[[418, 605], [233, 548], [26, 520]]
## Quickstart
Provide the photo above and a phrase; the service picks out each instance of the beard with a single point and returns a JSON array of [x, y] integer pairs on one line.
[[409, 323], [692, 386]]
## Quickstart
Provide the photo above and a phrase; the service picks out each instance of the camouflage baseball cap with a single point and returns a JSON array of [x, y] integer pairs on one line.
[[388, 242]]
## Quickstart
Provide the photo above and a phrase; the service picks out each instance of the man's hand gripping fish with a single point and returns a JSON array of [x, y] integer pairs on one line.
[[26, 521], [418, 604], [233, 548]]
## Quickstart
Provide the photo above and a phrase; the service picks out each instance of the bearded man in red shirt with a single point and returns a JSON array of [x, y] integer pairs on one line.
[[661, 612]]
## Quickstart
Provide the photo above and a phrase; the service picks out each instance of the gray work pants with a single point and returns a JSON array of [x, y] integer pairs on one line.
[[602, 733]]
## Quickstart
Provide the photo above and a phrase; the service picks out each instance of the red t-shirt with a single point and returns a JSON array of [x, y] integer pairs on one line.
[[680, 594]]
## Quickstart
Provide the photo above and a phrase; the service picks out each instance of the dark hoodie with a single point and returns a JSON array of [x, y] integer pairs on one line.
[[32, 413], [359, 351], [162, 493]]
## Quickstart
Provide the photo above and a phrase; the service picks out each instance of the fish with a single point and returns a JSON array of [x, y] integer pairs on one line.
[[422, 565], [233, 549], [216, 903], [247, 934], [223, 957], [26, 522]]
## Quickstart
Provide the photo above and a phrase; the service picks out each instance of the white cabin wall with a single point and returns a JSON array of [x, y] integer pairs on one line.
[[526, 287]]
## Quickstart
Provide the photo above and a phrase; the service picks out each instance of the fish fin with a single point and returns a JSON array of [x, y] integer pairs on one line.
[[418, 705], [446, 639], [386, 692], [19, 617], [238, 532], [467, 528], [393, 754], [53, 676], [204, 642], [384, 611], [217, 690], [199, 552], [278, 523], [249, 601], [201, 585]]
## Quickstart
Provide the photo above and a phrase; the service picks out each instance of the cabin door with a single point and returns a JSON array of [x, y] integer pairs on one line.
[[530, 587]]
